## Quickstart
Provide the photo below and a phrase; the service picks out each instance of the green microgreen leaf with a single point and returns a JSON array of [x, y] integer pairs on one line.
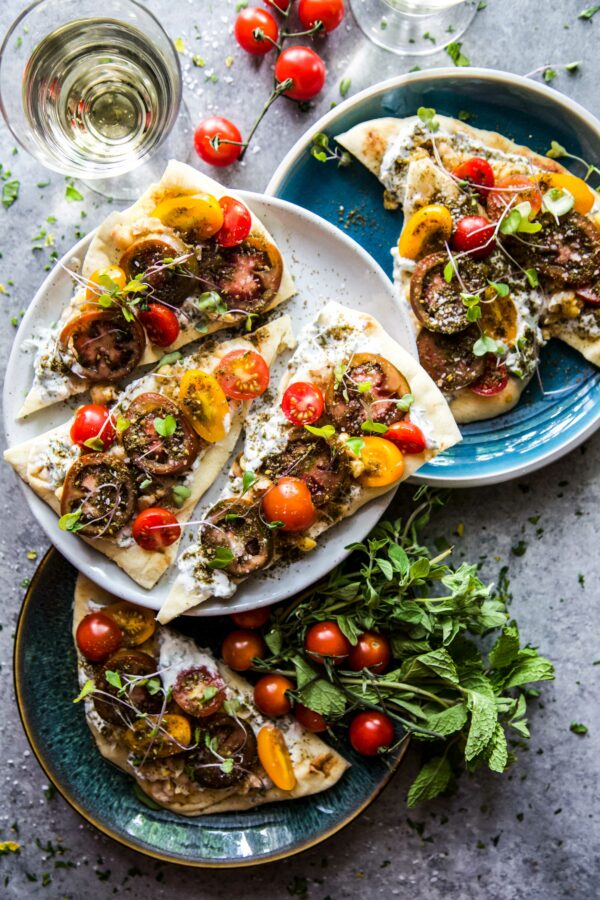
[[94, 443], [114, 679], [449, 272], [355, 445], [501, 289], [486, 344], [405, 402], [180, 494], [532, 277], [374, 427], [88, 688], [165, 427], [71, 521], [249, 479], [326, 431], [221, 558], [427, 116], [122, 424], [169, 359]]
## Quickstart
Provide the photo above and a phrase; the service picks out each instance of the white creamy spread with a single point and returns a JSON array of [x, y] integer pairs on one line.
[[177, 653]]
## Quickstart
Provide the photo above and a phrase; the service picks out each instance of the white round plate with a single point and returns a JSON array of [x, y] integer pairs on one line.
[[326, 265]]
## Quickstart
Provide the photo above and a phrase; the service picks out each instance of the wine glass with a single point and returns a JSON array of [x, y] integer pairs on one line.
[[413, 27]]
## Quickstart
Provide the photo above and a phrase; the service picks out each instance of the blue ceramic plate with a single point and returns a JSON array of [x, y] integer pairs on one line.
[[46, 682], [560, 409]]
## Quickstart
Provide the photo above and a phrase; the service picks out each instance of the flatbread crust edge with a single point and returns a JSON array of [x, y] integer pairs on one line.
[[320, 770], [143, 566]]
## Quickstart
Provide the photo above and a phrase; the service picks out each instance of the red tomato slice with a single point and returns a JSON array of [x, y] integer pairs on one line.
[[511, 191], [237, 222], [93, 423], [243, 375], [161, 324], [493, 381], [407, 436], [303, 403], [156, 528], [477, 172]]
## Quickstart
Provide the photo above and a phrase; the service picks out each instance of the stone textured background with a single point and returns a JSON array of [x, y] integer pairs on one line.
[[534, 833]]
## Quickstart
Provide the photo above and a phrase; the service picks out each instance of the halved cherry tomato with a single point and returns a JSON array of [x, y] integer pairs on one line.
[[372, 651], [326, 639], [156, 528], [204, 401], [474, 235], [137, 623], [371, 732], [329, 12], [510, 192], [583, 196], [256, 31], [384, 463], [218, 141], [93, 423], [237, 222], [161, 324], [252, 618], [99, 282], [105, 345], [270, 695], [309, 719], [199, 692], [275, 757], [432, 223], [303, 403], [159, 736], [290, 502], [241, 647], [98, 636], [243, 374], [407, 436], [306, 70], [494, 379], [477, 172], [200, 213]]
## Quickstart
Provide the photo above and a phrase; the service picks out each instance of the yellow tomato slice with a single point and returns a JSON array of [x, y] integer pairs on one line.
[[499, 317], [136, 622], [428, 222], [204, 401], [111, 273], [275, 757], [200, 213], [383, 461], [584, 198], [159, 736]]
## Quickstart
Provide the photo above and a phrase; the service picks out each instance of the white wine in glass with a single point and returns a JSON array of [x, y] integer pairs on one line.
[[413, 27]]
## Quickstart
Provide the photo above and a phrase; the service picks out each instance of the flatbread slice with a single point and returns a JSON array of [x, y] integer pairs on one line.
[[52, 381], [326, 347], [317, 766], [43, 461]]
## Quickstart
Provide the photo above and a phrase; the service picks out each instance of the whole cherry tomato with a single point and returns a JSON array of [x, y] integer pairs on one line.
[[237, 222], [407, 436], [256, 31], [270, 695], [510, 192], [241, 647], [329, 12], [478, 173], [372, 651], [326, 639], [243, 374], [290, 502], [252, 618], [161, 324], [312, 721], [156, 528], [494, 378], [303, 403], [371, 732], [93, 423], [211, 139], [281, 5], [305, 68], [474, 235], [98, 637]]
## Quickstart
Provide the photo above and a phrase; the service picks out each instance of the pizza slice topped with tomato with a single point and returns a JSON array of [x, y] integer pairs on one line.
[[354, 416], [499, 251], [126, 477], [187, 259]]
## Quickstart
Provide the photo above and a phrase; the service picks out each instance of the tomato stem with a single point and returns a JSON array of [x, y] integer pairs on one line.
[[318, 26], [277, 91]]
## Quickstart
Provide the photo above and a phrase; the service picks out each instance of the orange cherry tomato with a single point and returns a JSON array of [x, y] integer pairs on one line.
[[104, 281], [583, 196], [270, 695], [205, 403], [407, 436], [93, 428], [275, 757], [309, 719], [252, 618], [326, 639], [290, 502], [241, 647], [384, 463], [510, 192], [243, 374], [372, 651], [156, 528]]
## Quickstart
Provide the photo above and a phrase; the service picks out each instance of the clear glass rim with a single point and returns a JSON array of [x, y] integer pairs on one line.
[[122, 170]]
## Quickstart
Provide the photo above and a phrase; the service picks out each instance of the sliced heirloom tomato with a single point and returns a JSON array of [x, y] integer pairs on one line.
[[133, 668], [243, 374], [137, 623], [565, 252], [241, 647], [205, 403], [579, 190], [303, 403], [449, 358], [407, 436], [314, 462], [98, 636], [197, 213], [156, 737], [368, 389], [161, 324], [275, 757], [494, 378], [166, 452], [426, 231], [437, 303], [246, 276], [199, 692], [383, 461], [102, 280], [291, 503], [92, 427], [237, 222], [156, 528], [223, 738], [99, 494], [169, 283], [511, 191], [478, 173], [106, 347], [235, 527]]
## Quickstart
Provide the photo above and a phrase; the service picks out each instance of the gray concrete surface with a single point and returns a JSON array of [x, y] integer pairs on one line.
[[533, 834]]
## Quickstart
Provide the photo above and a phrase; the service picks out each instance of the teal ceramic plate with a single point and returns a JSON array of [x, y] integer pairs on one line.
[[550, 420], [46, 682]]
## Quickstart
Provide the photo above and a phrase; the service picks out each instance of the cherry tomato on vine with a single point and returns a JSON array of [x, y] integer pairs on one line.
[[474, 235], [329, 12], [98, 636], [407, 436], [156, 528], [161, 324], [241, 647], [312, 721], [372, 651], [237, 222], [256, 31], [306, 70], [303, 403], [217, 129], [327, 639], [252, 618], [243, 375], [93, 423], [270, 695], [371, 732], [290, 502], [477, 172]]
